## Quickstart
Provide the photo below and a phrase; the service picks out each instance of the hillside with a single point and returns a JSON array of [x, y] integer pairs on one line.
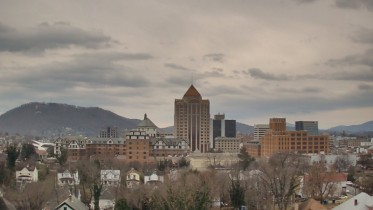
[[364, 127], [47, 119]]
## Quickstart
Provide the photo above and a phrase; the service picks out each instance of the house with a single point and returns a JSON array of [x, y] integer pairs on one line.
[[110, 177], [71, 203], [361, 201], [68, 178], [27, 174], [333, 184], [132, 178], [153, 178]]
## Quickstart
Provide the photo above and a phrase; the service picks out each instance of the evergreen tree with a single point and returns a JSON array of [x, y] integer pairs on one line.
[[12, 156]]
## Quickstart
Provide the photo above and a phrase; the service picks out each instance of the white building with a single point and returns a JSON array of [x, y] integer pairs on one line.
[[110, 177], [260, 130], [27, 175], [68, 178], [153, 178]]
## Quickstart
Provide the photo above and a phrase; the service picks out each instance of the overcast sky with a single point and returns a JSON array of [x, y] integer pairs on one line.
[[299, 59]]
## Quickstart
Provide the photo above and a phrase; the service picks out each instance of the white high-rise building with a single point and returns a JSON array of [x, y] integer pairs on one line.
[[260, 130]]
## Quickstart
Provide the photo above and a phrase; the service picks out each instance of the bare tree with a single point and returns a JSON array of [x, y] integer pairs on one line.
[[280, 176], [319, 183], [342, 163]]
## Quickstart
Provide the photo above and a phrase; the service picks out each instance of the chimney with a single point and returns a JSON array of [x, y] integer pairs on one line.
[[355, 203], [70, 197]]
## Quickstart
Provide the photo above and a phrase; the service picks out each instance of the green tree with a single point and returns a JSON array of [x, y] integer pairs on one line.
[[245, 159], [122, 204], [62, 158], [183, 162], [12, 156], [237, 193], [97, 188], [27, 151]]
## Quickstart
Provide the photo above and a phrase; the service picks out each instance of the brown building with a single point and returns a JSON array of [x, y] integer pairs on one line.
[[278, 139], [227, 144], [105, 149], [253, 148], [192, 120], [137, 147]]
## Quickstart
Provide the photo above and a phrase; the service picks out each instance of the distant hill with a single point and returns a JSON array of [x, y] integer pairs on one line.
[[365, 127], [48, 119]]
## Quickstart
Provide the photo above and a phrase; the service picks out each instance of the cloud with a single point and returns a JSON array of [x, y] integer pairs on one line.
[[363, 59], [259, 74], [92, 70], [50, 36], [214, 57], [354, 4], [365, 87], [177, 67], [364, 35], [305, 1]]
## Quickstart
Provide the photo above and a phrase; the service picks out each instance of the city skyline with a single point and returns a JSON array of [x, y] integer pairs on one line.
[[308, 60]]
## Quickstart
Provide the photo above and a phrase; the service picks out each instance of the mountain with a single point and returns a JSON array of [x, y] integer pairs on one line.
[[48, 119], [365, 127]]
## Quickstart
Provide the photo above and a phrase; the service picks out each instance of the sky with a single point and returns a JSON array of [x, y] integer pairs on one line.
[[298, 59]]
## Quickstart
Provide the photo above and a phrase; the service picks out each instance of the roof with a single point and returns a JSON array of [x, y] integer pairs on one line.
[[311, 204], [168, 141], [146, 122], [330, 177], [192, 93], [364, 202], [74, 203]]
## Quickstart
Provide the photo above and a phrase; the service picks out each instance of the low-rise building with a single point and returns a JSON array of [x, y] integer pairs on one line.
[[227, 144], [68, 178], [153, 178], [165, 147], [110, 177], [27, 174], [71, 203], [132, 178]]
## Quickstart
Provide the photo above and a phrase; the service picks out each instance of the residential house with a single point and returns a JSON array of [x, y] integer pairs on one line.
[[110, 177], [153, 178], [361, 201], [27, 174], [334, 184], [68, 178], [71, 203], [132, 178]]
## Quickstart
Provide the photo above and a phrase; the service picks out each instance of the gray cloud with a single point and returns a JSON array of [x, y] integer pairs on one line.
[[354, 4], [365, 87], [304, 1], [177, 67], [364, 35], [259, 74], [364, 59], [214, 57], [85, 70], [50, 36]]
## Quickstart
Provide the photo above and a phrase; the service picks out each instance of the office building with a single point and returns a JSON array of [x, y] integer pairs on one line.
[[260, 130], [278, 139], [192, 120], [109, 132], [220, 127], [311, 126]]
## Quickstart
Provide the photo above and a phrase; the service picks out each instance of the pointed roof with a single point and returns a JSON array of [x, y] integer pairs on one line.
[[192, 92], [146, 122]]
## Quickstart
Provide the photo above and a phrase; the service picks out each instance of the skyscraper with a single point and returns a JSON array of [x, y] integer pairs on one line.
[[192, 120]]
